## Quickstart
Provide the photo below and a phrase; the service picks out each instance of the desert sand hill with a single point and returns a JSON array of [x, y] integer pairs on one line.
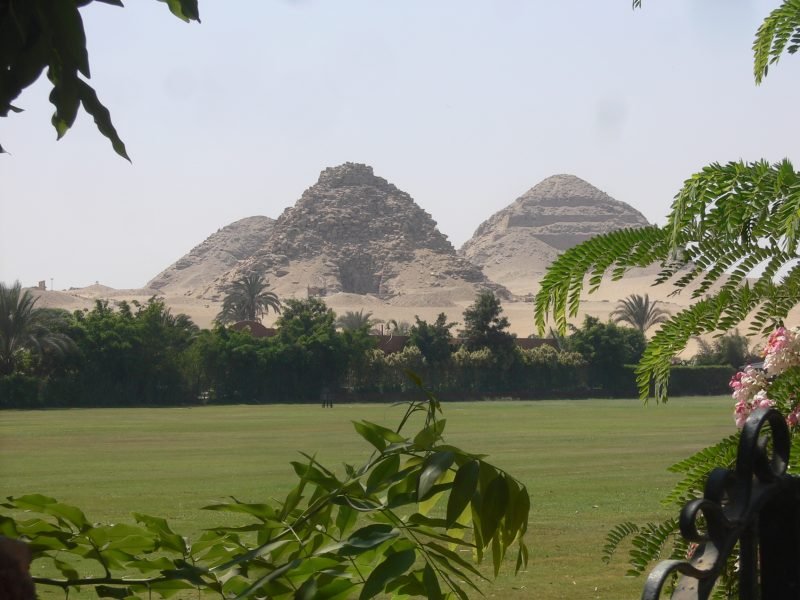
[[515, 245]]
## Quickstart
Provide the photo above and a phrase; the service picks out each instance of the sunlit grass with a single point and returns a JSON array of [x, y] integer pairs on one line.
[[588, 465]]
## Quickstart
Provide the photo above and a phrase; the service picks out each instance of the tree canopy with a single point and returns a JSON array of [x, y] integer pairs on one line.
[[485, 327], [24, 328], [247, 299], [432, 339]]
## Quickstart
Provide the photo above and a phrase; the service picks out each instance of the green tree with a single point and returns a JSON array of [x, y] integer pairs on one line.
[[42, 34], [484, 327], [351, 320], [133, 354], [24, 329], [729, 349], [607, 348], [247, 299], [312, 353], [434, 340], [639, 312]]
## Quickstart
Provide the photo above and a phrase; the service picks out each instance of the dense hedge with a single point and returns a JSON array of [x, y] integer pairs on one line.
[[684, 380], [19, 391]]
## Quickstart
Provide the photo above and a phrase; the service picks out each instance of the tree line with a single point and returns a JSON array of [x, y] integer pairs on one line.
[[134, 354]]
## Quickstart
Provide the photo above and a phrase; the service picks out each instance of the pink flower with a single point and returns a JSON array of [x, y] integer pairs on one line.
[[760, 400], [741, 412], [746, 384], [781, 351]]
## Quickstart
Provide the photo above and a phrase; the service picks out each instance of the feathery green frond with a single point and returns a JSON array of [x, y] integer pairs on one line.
[[615, 537], [779, 33], [564, 280], [697, 468]]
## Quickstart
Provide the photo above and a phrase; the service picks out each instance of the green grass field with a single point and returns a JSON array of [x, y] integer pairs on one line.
[[588, 465]]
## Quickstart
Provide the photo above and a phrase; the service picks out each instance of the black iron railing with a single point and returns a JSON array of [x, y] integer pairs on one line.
[[755, 505]]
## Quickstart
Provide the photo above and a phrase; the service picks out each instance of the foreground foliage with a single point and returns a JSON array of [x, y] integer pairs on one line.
[[42, 34], [732, 240], [397, 524]]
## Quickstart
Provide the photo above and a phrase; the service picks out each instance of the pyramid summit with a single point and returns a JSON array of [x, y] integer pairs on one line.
[[515, 245]]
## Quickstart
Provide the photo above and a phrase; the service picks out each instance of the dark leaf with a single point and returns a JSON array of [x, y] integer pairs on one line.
[[393, 566], [464, 486], [433, 468], [102, 117]]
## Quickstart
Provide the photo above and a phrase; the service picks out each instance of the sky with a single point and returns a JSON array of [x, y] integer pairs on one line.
[[464, 104]]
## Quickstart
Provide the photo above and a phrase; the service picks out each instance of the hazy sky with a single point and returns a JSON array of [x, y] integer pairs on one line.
[[464, 104]]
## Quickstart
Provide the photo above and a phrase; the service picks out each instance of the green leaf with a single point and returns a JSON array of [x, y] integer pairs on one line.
[[450, 558], [432, 589], [433, 468], [307, 591], [464, 486], [369, 431], [66, 569], [382, 473], [368, 537], [102, 118], [64, 513], [393, 566], [493, 507], [167, 538], [186, 10], [426, 438], [345, 518]]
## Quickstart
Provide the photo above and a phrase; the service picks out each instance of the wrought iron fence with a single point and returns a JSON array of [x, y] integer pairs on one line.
[[753, 509]]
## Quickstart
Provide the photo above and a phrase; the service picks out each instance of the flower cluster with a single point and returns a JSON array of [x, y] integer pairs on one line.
[[751, 385]]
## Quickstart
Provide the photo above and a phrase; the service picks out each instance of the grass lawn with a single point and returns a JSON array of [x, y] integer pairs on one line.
[[588, 465]]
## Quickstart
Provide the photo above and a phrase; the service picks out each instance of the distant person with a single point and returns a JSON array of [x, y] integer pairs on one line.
[[327, 397], [15, 576]]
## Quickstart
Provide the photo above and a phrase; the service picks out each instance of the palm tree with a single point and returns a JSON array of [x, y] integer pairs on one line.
[[23, 328], [351, 320], [639, 312], [398, 327], [246, 299]]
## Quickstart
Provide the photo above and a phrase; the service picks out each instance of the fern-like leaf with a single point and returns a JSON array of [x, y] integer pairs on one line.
[[615, 537], [779, 32]]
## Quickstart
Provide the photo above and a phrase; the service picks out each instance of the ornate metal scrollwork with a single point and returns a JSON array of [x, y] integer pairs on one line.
[[756, 504]]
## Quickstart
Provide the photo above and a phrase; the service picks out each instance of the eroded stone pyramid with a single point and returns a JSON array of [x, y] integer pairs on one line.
[[354, 232], [516, 244]]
